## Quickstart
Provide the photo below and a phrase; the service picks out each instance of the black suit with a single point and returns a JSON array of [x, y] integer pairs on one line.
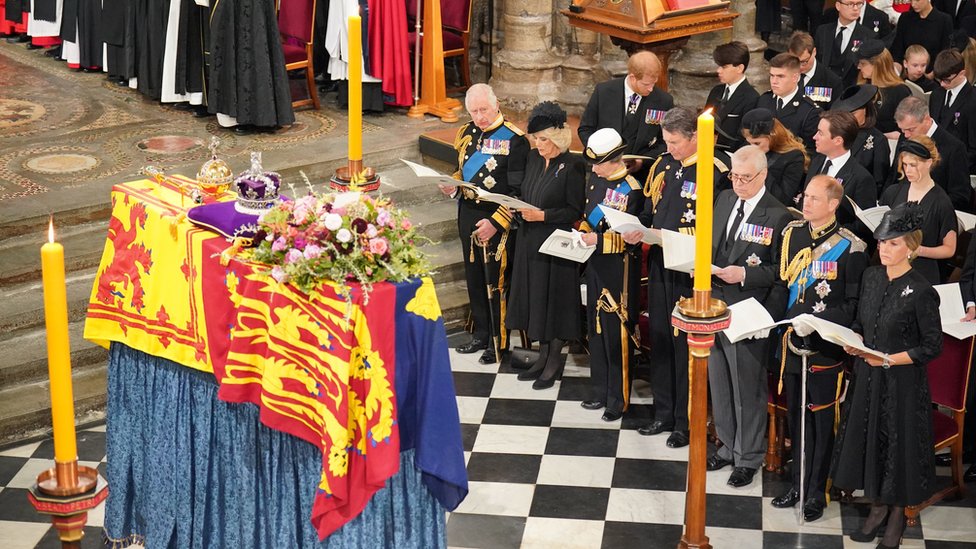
[[959, 119], [874, 20], [641, 131], [842, 63], [960, 15], [736, 373], [800, 115], [858, 184], [729, 114], [871, 149], [785, 176], [951, 172], [823, 81]]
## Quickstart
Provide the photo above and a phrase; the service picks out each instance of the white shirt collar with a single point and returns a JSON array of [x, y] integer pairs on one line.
[[732, 87], [628, 92], [932, 129], [837, 163], [788, 99], [752, 202], [955, 91], [813, 69], [750, 205]]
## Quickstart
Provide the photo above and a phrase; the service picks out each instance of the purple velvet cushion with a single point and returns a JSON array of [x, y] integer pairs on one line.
[[225, 219]]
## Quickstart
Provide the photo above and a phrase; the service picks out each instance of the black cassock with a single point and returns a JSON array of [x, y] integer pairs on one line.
[[248, 80], [118, 31], [80, 23], [544, 299], [884, 443]]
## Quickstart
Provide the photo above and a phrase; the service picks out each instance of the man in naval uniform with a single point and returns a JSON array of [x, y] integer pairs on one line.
[[634, 107], [797, 112], [671, 198], [747, 227], [491, 155], [613, 274], [821, 264]]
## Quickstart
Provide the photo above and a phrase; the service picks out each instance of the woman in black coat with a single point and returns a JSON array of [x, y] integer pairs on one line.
[[870, 148], [786, 156], [544, 299], [884, 443]]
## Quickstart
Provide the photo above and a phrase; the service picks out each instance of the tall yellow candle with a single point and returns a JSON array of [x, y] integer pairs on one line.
[[703, 207], [58, 349], [355, 88]]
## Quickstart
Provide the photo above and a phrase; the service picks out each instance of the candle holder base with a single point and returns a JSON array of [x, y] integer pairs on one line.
[[446, 110], [75, 479], [343, 179], [68, 508]]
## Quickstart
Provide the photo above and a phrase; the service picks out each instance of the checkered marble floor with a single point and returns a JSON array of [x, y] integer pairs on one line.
[[545, 473]]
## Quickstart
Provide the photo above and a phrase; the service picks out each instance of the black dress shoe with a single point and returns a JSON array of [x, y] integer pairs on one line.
[[789, 499], [200, 111], [812, 509], [593, 404], [716, 462], [741, 476], [488, 357], [943, 460], [243, 129], [54, 52], [654, 428], [678, 439], [33, 46], [472, 346], [970, 474], [20, 38], [610, 415]]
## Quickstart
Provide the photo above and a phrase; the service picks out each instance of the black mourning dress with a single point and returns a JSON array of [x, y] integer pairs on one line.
[[938, 218], [886, 103], [884, 443], [785, 175], [544, 299]]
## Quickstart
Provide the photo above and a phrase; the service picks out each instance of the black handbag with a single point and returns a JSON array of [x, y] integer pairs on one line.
[[523, 359]]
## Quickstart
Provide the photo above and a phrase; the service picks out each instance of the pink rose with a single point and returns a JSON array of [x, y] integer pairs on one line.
[[383, 217], [378, 246], [312, 251], [371, 231], [279, 274], [293, 255], [279, 244], [406, 224]]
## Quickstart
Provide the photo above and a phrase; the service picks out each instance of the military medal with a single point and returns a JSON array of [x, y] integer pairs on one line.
[[819, 307], [689, 216], [856, 44], [756, 234], [491, 164], [822, 289], [955, 121], [753, 260], [615, 200], [689, 190], [826, 270], [653, 116], [876, 26], [906, 291], [489, 182], [679, 172]]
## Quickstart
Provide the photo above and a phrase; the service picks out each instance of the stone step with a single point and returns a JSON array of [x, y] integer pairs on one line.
[[20, 256], [23, 305], [25, 355], [447, 261], [25, 409], [453, 299]]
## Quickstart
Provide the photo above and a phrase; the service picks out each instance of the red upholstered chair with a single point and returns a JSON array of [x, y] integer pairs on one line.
[[948, 376], [456, 26], [776, 435], [296, 25]]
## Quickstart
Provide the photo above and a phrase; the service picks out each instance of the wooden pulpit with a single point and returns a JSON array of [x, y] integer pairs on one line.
[[661, 26]]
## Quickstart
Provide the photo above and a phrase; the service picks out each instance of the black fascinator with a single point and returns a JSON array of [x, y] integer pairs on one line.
[[759, 122], [546, 115], [900, 220]]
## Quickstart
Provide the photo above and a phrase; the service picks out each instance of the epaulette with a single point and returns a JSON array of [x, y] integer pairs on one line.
[[795, 224], [720, 165], [857, 245], [633, 182], [460, 133], [515, 129]]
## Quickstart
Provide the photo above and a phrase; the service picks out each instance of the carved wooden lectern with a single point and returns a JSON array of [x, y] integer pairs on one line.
[[661, 26]]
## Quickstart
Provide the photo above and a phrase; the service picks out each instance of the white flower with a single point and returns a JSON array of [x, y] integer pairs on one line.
[[344, 236], [333, 221]]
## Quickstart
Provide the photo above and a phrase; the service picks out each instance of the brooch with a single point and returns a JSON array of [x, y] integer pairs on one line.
[[822, 289], [558, 169], [796, 199], [753, 260], [796, 103], [489, 182], [819, 307], [491, 164], [906, 291], [869, 143]]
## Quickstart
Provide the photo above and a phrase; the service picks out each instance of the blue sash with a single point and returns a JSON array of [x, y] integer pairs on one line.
[[597, 215], [478, 159], [833, 254]]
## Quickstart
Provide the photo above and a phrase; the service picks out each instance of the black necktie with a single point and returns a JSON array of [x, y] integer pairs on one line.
[[803, 81], [739, 214], [826, 166], [839, 40], [948, 98], [779, 104], [725, 95]]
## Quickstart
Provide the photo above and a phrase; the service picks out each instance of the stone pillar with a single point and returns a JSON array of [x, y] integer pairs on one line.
[[613, 60], [693, 70], [581, 48], [744, 30], [526, 69]]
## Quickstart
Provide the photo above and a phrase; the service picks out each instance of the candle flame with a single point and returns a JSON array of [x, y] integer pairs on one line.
[[50, 230], [708, 111]]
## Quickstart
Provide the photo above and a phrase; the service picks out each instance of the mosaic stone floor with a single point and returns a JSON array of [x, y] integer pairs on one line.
[[64, 133]]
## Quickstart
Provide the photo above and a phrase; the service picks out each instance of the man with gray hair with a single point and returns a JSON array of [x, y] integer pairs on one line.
[[746, 233], [491, 155], [671, 192], [952, 171]]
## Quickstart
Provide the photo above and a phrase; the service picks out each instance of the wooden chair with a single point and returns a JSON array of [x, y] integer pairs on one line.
[[296, 25], [776, 457], [456, 26], [948, 376]]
